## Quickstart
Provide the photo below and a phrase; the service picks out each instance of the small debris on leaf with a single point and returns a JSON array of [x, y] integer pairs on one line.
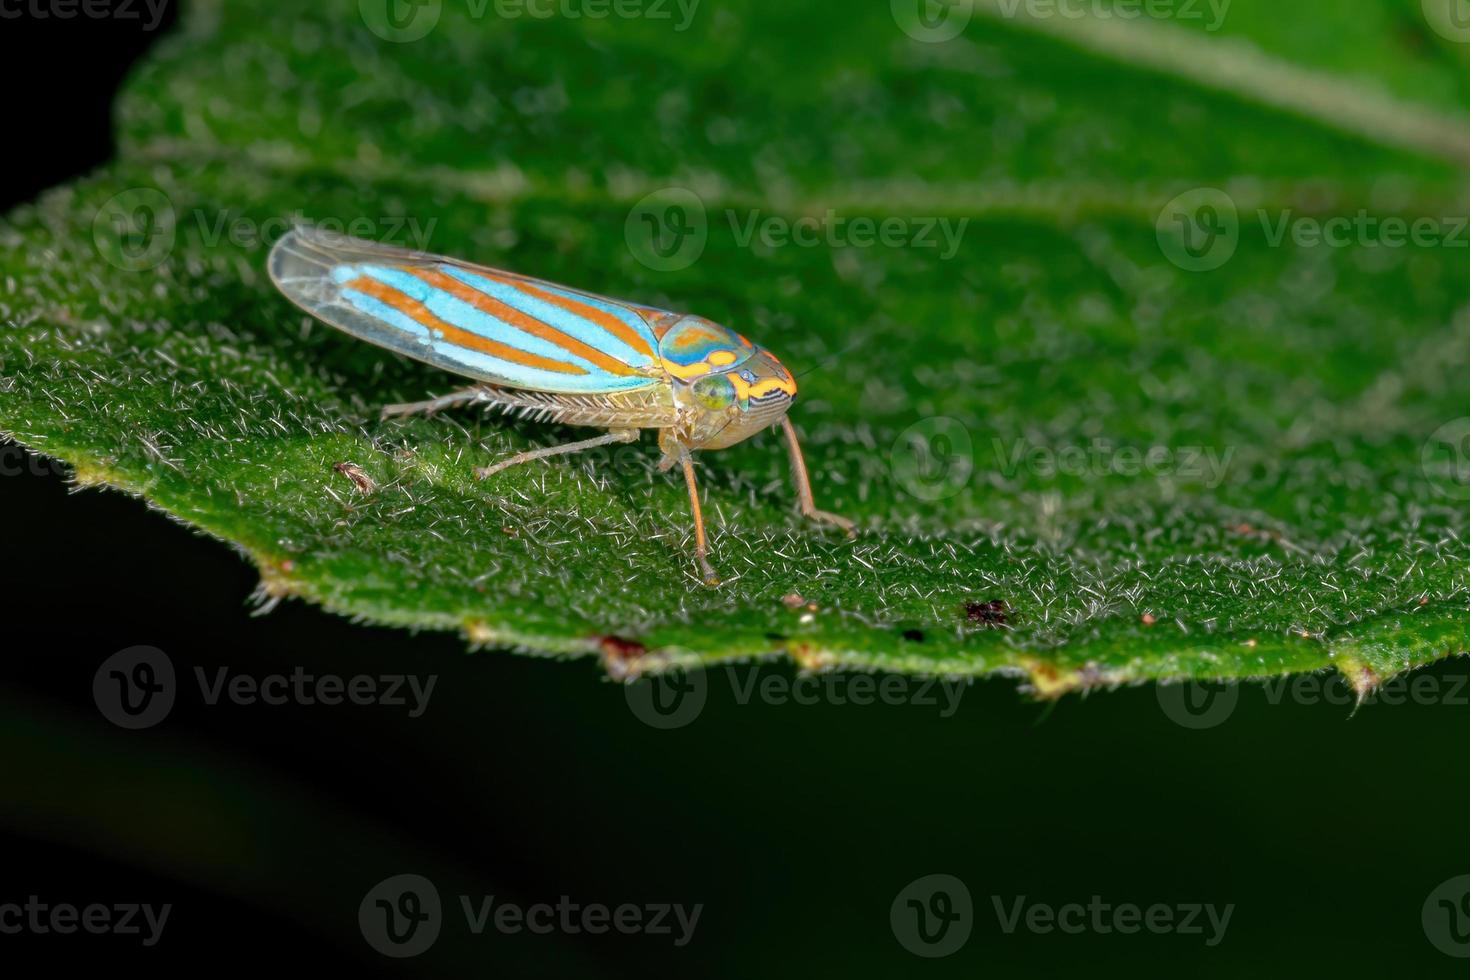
[[993, 612], [1148, 619], [355, 473]]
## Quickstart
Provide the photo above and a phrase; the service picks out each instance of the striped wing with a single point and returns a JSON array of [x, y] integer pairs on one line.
[[475, 321]]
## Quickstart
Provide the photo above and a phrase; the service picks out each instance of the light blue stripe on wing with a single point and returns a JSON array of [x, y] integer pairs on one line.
[[472, 362], [409, 285], [607, 306], [456, 311], [566, 321], [379, 310], [526, 377]]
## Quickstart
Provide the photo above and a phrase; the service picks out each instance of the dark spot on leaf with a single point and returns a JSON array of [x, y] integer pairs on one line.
[[914, 636], [620, 656], [992, 612], [776, 637]]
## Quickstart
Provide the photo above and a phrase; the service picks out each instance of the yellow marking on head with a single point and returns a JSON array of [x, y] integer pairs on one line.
[[721, 358], [763, 386]]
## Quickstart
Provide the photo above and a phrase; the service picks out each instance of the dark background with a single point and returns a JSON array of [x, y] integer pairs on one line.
[[795, 826]]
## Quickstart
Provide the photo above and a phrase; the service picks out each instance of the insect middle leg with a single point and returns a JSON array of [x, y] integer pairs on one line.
[[464, 396], [804, 484], [616, 435]]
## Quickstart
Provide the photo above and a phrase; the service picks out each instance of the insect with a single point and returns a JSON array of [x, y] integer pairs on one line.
[[551, 352]]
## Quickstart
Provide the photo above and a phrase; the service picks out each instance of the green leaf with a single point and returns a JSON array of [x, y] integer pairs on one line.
[[1074, 455]]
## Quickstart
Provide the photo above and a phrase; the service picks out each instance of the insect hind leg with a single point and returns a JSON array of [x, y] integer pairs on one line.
[[616, 435], [465, 396]]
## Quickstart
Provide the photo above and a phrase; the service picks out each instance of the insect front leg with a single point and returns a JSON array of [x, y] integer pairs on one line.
[[616, 435], [804, 484], [701, 545], [462, 397]]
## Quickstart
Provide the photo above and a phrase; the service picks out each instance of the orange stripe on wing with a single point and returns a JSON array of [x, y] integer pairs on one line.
[[602, 318], [519, 320], [420, 313]]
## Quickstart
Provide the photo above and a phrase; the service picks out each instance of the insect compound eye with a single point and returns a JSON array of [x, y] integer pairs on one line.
[[714, 392]]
